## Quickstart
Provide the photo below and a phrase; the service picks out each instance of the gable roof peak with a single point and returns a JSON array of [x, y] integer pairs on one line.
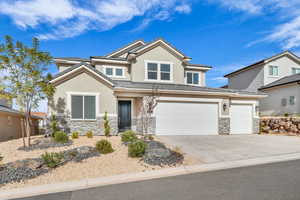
[[265, 60]]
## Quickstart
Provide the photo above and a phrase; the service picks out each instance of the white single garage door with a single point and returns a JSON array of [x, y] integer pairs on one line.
[[241, 119], [183, 118]]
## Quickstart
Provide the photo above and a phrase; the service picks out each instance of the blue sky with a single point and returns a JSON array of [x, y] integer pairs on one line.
[[226, 34]]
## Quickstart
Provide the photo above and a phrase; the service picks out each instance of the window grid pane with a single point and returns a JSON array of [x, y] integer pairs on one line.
[[152, 71], [152, 67], [189, 77], [165, 68], [196, 78], [165, 76], [89, 107], [119, 72], [152, 75], [109, 71], [77, 107]]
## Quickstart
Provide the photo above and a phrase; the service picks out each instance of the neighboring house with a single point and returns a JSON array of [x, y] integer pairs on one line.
[[117, 82], [10, 122], [43, 118], [276, 76]]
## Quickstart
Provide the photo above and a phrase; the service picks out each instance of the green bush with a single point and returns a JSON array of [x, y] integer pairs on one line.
[[89, 134], [104, 146], [53, 124], [286, 114], [1, 157], [61, 137], [52, 160], [75, 135], [128, 136], [137, 148]]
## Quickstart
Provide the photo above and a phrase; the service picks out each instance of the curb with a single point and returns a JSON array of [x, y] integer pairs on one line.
[[133, 177]]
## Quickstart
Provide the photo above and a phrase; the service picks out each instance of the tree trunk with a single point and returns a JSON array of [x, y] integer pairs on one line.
[[28, 128], [22, 131]]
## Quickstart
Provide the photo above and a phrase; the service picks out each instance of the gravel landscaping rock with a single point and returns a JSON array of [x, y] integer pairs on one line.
[[158, 154], [30, 168], [45, 143]]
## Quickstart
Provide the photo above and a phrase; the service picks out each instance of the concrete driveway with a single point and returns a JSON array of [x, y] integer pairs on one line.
[[219, 148]]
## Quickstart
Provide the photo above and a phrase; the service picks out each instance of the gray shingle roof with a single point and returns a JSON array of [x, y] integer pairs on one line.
[[110, 58], [10, 110], [182, 87], [73, 59], [283, 81], [79, 65]]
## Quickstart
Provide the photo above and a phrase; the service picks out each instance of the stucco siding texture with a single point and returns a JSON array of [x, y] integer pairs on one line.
[[83, 83], [272, 105], [157, 54], [249, 80], [10, 124], [285, 65]]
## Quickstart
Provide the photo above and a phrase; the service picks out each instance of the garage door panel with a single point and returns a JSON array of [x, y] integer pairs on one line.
[[182, 118], [241, 119]]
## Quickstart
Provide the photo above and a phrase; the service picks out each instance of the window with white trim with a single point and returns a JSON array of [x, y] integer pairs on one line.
[[295, 70], [292, 100], [83, 107], [158, 71], [114, 71], [273, 70], [192, 78]]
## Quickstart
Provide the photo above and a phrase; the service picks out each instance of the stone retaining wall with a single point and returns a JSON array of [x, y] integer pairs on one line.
[[281, 125]]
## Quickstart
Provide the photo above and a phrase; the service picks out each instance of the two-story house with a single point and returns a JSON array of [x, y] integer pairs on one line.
[[116, 84], [277, 76]]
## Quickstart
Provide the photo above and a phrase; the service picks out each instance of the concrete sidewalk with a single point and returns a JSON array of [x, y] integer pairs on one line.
[[125, 178]]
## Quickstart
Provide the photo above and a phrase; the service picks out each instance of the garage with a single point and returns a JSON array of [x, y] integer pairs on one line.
[[186, 118], [241, 119]]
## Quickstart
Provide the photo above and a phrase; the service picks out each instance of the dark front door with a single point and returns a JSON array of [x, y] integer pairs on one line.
[[124, 112]]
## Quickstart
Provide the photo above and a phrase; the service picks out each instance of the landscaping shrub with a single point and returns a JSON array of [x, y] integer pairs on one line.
[[75, 135], [137, 148], [106, 125], [104, 146], [61, 137], [53, 124], [89, 134], [52, 160], [128, 136]]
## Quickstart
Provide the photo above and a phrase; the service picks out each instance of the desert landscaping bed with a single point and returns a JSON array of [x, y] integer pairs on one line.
[[90, 166]]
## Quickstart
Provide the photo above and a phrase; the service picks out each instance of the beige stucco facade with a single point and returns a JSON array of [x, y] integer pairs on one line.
[[11, 127], [272, 105], [83, 84]]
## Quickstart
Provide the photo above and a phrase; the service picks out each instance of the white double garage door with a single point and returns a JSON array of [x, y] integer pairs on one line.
[[194, 118]]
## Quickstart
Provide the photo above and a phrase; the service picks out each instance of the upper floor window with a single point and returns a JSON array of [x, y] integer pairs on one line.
[[295, 70], [193, 78], [273, 71], [158, 71], [114, 71], [83, 107]]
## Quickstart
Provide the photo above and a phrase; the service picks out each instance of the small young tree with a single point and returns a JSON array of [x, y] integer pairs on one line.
[[24, 76], [106, 125], [147, 108]]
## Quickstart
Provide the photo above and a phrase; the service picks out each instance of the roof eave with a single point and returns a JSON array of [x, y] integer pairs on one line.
[[140, 90]]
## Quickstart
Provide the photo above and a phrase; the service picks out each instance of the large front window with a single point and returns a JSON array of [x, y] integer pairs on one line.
[[273, 71], [158, 71], [192, 78], [83, 107]]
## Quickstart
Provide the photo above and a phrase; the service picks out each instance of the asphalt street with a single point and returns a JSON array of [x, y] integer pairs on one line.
[[276, 181]]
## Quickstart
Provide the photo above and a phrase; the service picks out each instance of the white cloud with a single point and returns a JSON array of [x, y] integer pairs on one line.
[[184, 8], [287, 32], [69, 18]]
